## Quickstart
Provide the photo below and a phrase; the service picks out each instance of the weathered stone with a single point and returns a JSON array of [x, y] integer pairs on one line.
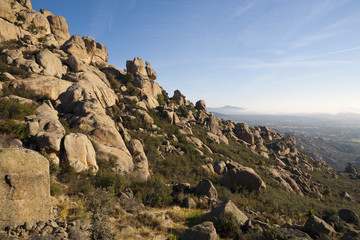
[[223, 208], [9, 31], [317, 226], [179, 98], [52, 65], [189, 203], [202, 231], [76, 64], [220, 167], [141, 167], [24, 187], [25, 3], [34, 22], [28, 65], [75, 46], [80, 152]]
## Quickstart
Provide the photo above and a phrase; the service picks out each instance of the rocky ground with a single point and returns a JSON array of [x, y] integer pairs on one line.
[[91, 151]]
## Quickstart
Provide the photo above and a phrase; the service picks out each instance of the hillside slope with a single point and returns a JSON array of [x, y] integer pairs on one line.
[[127, 161]]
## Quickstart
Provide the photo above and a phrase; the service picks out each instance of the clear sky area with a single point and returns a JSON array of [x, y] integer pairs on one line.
[[267, 56]]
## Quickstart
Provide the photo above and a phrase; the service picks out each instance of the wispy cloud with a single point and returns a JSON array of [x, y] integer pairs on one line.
[[242, 9], [324, 7], [333, 53], [308, 40]]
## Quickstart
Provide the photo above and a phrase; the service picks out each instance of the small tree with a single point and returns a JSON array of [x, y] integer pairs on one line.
[[100, 204]]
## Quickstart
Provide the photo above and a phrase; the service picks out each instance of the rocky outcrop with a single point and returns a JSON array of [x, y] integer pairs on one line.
[[76, 64], [79, 152], [202, 231], [240, 176], [317, 226], [243, 132], [24, 187], [142, 80], [150, 72], [9, 31]]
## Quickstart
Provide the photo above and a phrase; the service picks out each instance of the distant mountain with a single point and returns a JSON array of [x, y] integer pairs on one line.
[[228, 110]]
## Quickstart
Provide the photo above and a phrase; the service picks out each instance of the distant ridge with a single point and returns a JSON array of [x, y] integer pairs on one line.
[[228, 110]]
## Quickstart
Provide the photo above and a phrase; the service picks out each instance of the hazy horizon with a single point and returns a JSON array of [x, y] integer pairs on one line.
[[297, 56]]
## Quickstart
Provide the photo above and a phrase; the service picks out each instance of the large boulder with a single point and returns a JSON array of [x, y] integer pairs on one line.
[[317, 226], [79, 152], [349, 216], [75, 46], [202, 231], [76, 64], [59, 27], [25, 3], [137, 68], [179, 98], [206, 188], [239, 176], [242, 131], [52, 65], [24, 187], [223, 208]]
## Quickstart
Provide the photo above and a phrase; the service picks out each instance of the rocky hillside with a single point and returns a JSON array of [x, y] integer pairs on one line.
[[89, 151]]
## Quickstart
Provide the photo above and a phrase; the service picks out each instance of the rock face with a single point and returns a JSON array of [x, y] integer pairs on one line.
[[202, 231], [223, 208], [80, 152], [24, 187], [240, 176], [317, 226]]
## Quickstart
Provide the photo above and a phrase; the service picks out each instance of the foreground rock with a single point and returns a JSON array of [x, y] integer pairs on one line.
[[349, 216], [202, 231], [24, 187]]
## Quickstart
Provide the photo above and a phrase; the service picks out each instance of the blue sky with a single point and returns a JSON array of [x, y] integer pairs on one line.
[[268, 56]]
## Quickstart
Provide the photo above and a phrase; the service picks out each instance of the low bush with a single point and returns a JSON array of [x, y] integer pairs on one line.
[[227, 226], [153, 192], [20, 130], [13, 110]]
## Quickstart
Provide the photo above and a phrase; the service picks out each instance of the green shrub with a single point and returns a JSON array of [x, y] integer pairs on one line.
[[25, 93], [14, 110], [11, 69], [100, 204], [134, 91], [107, 179], [153, 192], [43, 40], [21, 18], [128, 78], [55, 189], [227, 226], [274, 233], [184, 111], [172, 237], [115, 84], [20, 130], [160, 99]]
